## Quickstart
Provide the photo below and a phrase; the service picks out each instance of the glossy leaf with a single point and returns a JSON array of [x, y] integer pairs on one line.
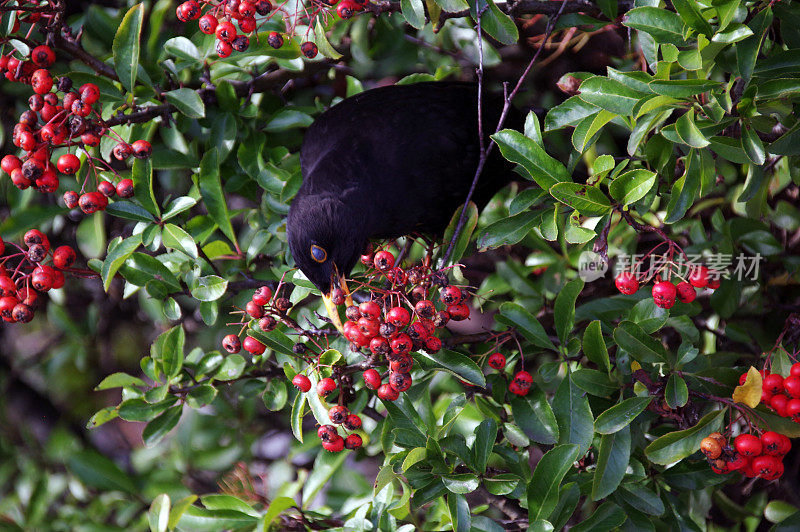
[[126, 46]]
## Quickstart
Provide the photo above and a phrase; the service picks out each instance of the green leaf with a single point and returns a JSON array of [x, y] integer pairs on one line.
[[689, 11], [515, 315], [575, 421], [276, 507], [97, 471], [662, 25], [594, 347], [586, 132], [642, 499], [213, 197], [586, 199], [414, 12], [324, 468], [608, 516], [199, 519], [621, 415], [485, 435], [187, 101], [682, 88], [641, 346], [119, 380], [142, 176], [595, 382], [455, 363], [612, 461], [182, 48], [158, 515], [471, 221], [676, 446], [414, 456], [517, 148], [610, 94], [288, 119], [209, 288], [168, 348], [141, 410], [275, 394], [689, 132], [676, 393], [568, 113], [494, 22], [685, 189], [632, 186], [126, 46], [129, 211], [564, 308], [155, 430], [460, 483], [116, 258], [543, 488], [532, 413], [752, 145], [221, 501], [176, 238], [508, 230], [140, 269], [297, 416], [459, 513], [747, 50]]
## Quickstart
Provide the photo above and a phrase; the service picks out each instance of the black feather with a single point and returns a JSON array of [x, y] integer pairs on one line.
[[389, 162]]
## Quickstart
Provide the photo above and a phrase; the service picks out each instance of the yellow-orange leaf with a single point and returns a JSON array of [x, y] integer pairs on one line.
[[749, 393], [635, 366]]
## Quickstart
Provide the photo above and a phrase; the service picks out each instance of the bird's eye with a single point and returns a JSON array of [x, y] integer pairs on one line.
[[318, 254]]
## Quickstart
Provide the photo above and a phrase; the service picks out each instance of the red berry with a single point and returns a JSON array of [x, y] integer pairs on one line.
[[398, 316], [425, 308], [354, 334], [263, 7], [686, 292], [253, 346], [41, 81], [352, 422], [247, 25], [497, 361], [766, 397], [714, 283], [10, 163], [401, 363], [275, 40], [309, 49], [207, 23], [335, 444], [627, 283], [742, 378], [262, 295], [41, 280], [125, 188], [458, 312], [326, 386], [793, 410], [779, 403], [664, 293], [107, 189], [43, 56], [400, 381], [34, 236], [89, 93], [224, 49], [122, 151], [68, 164], [141, 149], [338, 414], [232, 344], [387, 393], [768, 467], [785, 444], [327, 432], [246, 9], [451, 295], [523, 379], [791, 386], [383, 261], [432, 344], [225, 32], [353, 441], [772, 443], [401, 344], [747, 445], [370, 309], [773, 383], [372, 379], [21, 313], [795, 371], [63, 257], [253, 310], [80, 108], [302, 382], [699, 277]]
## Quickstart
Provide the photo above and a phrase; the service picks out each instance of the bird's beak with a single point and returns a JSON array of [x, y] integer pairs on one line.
[[333, 311]]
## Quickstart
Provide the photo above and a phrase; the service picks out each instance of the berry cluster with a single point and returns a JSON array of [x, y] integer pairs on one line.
[[751, 455], [222, 17], [58, 119], [338, 415], [267, 310], [664, 291], [779, 394], [24, 273]]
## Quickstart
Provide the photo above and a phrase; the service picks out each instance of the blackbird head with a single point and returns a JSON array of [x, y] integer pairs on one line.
[[325, 240]]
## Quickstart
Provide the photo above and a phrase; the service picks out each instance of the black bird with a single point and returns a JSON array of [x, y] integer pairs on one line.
[[385, 163]]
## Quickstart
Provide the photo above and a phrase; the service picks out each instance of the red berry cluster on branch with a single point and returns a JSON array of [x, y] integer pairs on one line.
[[751, 455], [222, 17], [264, 308], [779, 394], [61, 118], [664, 291], [27, 271]]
